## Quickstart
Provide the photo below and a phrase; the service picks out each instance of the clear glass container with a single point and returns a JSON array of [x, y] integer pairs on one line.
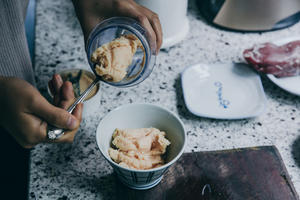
[[113, 28]]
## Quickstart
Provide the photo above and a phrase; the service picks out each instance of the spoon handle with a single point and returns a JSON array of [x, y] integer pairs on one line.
[[83, 95], [54, 132]]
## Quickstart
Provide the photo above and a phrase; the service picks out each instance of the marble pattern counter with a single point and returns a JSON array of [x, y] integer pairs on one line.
[[78, 171]]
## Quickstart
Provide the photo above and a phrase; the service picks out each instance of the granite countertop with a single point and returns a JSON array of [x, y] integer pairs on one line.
[[79, 171]]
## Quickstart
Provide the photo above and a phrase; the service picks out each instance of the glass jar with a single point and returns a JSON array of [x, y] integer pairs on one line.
[[143, 60]]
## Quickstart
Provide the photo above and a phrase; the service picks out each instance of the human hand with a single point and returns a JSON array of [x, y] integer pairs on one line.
[[92, 12], [25, 113], [63, 97]]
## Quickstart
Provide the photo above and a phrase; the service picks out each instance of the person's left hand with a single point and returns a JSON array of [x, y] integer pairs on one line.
[[92, 12]]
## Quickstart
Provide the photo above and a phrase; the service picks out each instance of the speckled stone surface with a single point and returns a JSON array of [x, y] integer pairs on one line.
[[78, 171]]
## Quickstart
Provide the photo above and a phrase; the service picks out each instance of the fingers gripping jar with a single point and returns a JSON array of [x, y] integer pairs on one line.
[[143, 60]]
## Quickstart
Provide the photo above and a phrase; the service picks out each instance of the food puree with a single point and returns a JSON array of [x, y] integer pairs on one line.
[[139, 148], [112, 59]]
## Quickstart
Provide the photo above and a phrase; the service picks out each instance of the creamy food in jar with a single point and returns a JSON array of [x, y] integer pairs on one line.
[[142, 148], [113, 58]]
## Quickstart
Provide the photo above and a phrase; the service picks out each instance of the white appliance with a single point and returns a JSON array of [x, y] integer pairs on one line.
[[173, 18]]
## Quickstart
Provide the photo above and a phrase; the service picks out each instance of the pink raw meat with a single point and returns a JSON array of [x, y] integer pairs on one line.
[[281, 61]]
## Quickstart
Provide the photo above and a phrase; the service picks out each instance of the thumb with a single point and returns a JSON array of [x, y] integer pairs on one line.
[[55, 116], [62, 119]]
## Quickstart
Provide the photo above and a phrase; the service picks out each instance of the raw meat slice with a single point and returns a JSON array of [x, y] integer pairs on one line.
[[281, 61]]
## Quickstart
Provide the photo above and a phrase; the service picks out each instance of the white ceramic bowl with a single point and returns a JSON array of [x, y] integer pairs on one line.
[[91, 104], [142, 116]]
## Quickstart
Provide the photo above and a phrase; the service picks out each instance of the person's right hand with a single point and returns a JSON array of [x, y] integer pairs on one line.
[[25, 113], [92, 12]]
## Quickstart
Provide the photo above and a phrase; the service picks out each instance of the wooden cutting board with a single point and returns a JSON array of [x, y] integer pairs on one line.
[[256, 173]]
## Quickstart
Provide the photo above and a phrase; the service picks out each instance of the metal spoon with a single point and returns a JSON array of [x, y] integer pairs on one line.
[[54, 132]]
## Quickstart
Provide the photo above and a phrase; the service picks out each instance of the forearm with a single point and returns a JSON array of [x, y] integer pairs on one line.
[[92, 12]]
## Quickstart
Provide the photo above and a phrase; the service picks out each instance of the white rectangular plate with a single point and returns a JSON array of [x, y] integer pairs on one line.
[[223, 91]]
